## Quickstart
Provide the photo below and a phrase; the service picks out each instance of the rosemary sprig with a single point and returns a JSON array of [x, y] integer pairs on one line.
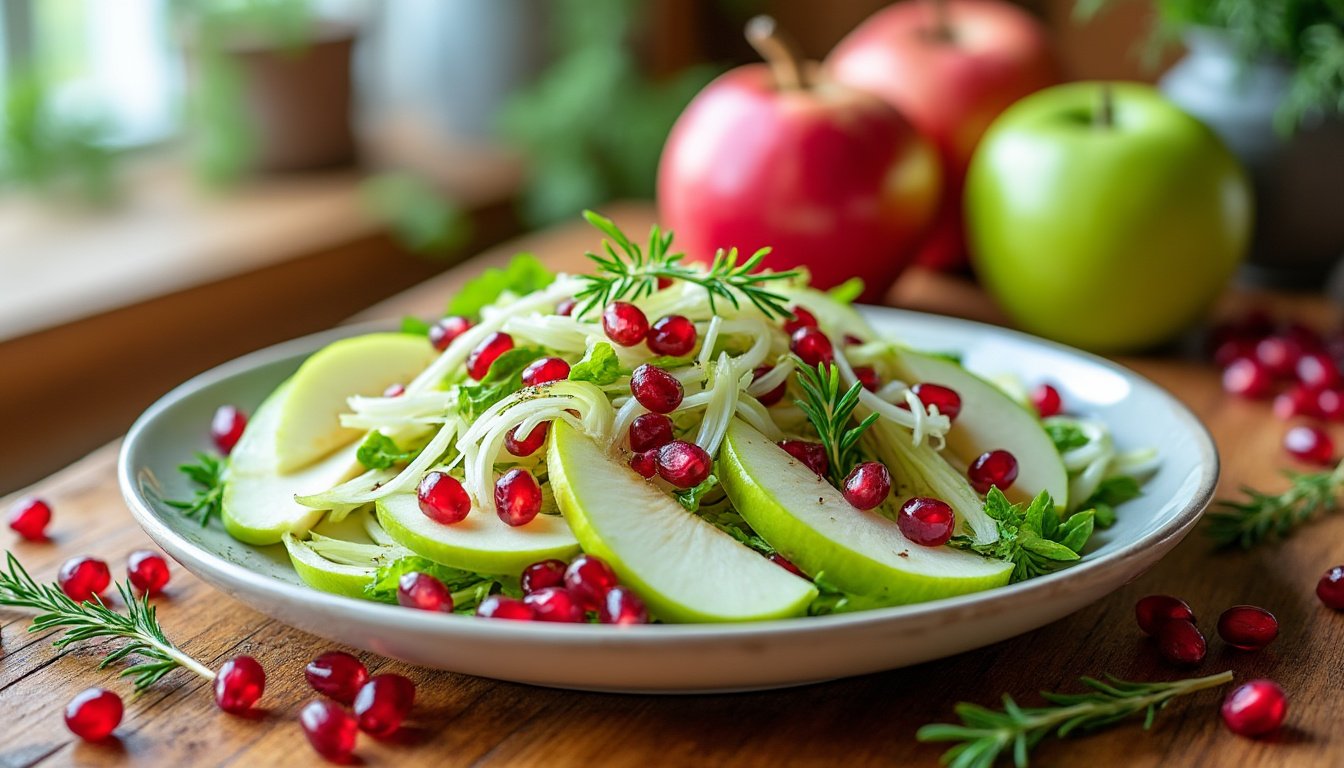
[[625, 271], [830, 412], [92, 620], [985, 735], [1266, 516], [208, 473]]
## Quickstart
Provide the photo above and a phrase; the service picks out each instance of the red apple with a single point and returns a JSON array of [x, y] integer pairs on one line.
[[831, 178], [951, 66]]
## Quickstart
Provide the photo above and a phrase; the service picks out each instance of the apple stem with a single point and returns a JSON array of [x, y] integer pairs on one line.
[[1105, 117], [942, 21], [764, 35]]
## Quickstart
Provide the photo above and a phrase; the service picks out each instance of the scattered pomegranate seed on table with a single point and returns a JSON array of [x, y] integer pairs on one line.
[[786, 564], [330, 729], [442, 498], [1330, 589], [621, 606], [1328, 404], [544, 370], [528, 445], [1180, 642], [649, 431], [94, 714], [656, 389], [945, 398], [239, 684], [486, 353], [336, 675], [684, 464], [80, 578], [812, 346], [147, 571], [589, 579], [1278, 355], [927, 522], [773, 396], [996, 468], [1296, 401], [383, 703], [504, 607], [445, 331], [1255, 708], [812, 455], [867, 485], [798, 318], [29, 517], [1248, 627], [1247, 378], [423, 592], [1317, 370], [226, 427], [554, 604], [517, 497], [1046, 400], [1310, 444], [624, 323], [673, 335], [1154, 610]]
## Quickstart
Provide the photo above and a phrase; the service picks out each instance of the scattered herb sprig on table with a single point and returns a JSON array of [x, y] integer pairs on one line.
[[1031, 536], [1268, 516], [93, 620], [985, 735], [830, 410], [633, 273], [208, 474]]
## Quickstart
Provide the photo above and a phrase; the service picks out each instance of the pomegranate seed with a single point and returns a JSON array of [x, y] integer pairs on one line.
[[81, 578], [673, 335], [554, 604], [330, 729], [1255, 708], [1247, 378], [812, 455], [442, 498], [1330, 589], [773, 396], [1180, 642], [868, 377], [1317, 370], [589, 579], [148, 571], [1329, 405], [621, 606], [544, 370], [566, 307], [94, 714], [383, 703], [852, 340], [786, 564], [1155, 610], [1248, 627], [394, 390], [646, 463], [799, 318], [517, 497], [624, 323], [29, 517], [947, 400], [336, 675], [1295, 401], [226, 426], [239, 684], [650, 431], [656, 389], [867, 485], [927, 522], [812, 346], [486, 353], [664, 283], [1045, 398], [1278, 355], [445, 330], [684, 464], [528, 445], [1232, 349], [423, 592], [1306, 337], [995, 468], [504, 607], [543, 574], [1310, 444]]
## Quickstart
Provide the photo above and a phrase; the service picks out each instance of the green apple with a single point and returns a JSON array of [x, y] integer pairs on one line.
[[1111, 234], [812, 525], [683, 567], [309, 426], [481, 542], [258, 505], [991, 420]]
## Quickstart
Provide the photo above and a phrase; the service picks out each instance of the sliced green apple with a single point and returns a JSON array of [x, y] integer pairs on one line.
[[683, 567], [258, 505], [309, 426], [811, 524], [342, 557], [482, 542], [991, 420]]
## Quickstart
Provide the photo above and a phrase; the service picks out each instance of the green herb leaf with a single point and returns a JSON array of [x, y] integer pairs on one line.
[[1112, 492], [848, 291], [468, 587], [1031, 536], [503, 379], [415, 326], [726, 519], [1066, 436], [378, 451], [690, 497], [1268, 516], [524, 274], [830, 412], [599, 366], [208, 473]]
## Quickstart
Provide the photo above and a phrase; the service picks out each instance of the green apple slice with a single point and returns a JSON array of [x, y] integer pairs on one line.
[[258, 505], [342, 557], [309, 426], [991, 420], [482, 542], [812, 525], [684, 568]]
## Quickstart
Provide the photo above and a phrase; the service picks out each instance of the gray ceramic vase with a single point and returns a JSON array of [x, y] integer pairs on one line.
[[1298, 178]]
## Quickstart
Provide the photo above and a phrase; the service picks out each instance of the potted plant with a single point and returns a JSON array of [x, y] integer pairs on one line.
[[1269, 79]]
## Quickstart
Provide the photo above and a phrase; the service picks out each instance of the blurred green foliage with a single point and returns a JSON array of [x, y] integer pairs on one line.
[[423, 220], [53, 154]]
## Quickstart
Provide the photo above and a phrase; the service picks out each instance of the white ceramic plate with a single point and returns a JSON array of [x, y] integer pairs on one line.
[[685, 658]]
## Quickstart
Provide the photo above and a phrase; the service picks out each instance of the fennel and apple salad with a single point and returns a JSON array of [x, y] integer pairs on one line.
[[657, 441]]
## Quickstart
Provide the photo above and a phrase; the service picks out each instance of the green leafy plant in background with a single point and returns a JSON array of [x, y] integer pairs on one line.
[[50, 153], [594, 124], [1307, 35], [422, 219]]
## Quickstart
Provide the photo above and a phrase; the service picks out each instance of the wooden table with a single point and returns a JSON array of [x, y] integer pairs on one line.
[[864, 721]]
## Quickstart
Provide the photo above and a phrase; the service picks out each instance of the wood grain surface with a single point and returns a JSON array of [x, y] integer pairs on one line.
[[870, 720]]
